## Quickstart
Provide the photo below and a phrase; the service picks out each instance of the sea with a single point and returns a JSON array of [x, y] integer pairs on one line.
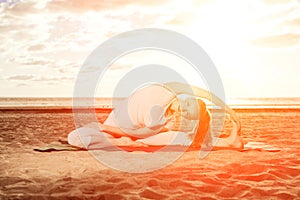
[[16, 103]]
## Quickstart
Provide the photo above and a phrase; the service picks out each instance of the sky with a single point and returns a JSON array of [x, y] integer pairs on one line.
[[254, 44]]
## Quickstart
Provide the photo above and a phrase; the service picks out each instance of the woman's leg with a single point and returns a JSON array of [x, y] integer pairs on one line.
[[168, 138], [90, 138], [85, 137]]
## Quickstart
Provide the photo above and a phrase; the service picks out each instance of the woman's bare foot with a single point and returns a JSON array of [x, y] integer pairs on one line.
[[235, 140]]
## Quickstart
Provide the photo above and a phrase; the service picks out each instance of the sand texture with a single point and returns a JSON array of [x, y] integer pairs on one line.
[[224, 174]]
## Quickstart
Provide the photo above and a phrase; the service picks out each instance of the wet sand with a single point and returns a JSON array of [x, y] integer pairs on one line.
[[225, 174]]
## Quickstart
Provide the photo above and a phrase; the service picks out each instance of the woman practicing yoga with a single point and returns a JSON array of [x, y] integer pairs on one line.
[[154, 115]]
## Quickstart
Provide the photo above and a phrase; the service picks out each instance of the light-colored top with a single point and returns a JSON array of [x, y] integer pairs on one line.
[[144, 108]]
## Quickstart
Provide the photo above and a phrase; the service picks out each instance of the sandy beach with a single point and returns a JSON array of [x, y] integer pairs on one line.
[[224, 174]]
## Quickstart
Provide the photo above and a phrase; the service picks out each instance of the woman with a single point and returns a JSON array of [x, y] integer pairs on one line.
[[154, 115]]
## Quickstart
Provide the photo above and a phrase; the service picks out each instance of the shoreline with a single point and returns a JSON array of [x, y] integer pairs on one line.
[[63, 109]]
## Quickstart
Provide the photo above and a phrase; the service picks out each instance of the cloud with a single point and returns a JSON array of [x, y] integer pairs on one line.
[[278, 24], [20, 77], [92, 5], [120, 66], [20, 7], [36, 47], [38, 78], [277, 41], [6, 27], [29, 60], [33, 35], [22, 84], [63, 26], [35, 62], [291, 23], [74, 6], [53, 78]]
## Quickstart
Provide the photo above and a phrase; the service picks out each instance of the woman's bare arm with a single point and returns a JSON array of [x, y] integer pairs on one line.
[[182, 88], [112, 130], [133, 134]]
